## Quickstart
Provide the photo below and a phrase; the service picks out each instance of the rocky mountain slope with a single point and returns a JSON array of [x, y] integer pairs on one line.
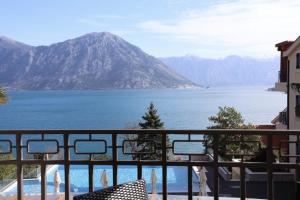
[[232, 70], [93, 61]]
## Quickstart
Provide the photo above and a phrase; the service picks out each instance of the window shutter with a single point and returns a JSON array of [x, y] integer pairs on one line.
[[298, 60], [298, 100]]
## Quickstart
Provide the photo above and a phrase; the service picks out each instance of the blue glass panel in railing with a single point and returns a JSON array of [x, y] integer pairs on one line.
[[185, 147], [90, 147], [5, 146], [42, 147]]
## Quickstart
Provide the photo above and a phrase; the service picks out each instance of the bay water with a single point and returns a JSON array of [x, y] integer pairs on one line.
[[109, 109]]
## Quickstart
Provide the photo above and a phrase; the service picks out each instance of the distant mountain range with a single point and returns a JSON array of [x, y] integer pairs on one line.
[[106, 61], [93, 61], [230, 71]]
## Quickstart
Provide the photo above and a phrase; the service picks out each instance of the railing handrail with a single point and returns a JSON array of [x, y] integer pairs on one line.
[[161, 131]]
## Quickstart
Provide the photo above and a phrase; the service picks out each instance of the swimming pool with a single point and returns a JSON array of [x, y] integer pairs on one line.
[[176, 177]]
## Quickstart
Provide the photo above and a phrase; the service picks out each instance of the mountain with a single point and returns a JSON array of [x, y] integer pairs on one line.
[[230, 71], [92, 61]]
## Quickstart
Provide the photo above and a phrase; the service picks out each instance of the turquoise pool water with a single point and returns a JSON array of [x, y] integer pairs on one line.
[[176, 177]]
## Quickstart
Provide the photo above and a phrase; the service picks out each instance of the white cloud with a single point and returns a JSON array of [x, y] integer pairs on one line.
[[242, 27]]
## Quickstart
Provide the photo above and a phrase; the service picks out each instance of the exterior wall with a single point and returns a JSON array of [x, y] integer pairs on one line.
[[294, 77], [280, 86], [294, 122], [280, 126], [283, 69]]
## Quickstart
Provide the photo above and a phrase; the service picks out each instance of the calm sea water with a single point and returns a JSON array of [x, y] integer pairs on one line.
[[181, 109]]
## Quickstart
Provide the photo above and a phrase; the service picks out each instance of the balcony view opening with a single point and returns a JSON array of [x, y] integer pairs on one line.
[[149, 100]]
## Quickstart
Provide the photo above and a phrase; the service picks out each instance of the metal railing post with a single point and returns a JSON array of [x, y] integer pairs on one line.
[[67, 166], [190, 176], [19, 167], [139, 165], [43, 179], [216, 165], [243, 183], [91, 177], [115, 158], [91, 170], [164, 165], [270, 166]]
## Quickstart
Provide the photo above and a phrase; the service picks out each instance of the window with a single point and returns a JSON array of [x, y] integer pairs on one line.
[[298, 100], [297, 107], [298, 61]]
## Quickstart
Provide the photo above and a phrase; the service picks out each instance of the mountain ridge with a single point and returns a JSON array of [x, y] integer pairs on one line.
[[92, 61]]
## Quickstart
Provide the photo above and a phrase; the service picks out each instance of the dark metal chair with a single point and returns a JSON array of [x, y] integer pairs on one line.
[[128, 191]]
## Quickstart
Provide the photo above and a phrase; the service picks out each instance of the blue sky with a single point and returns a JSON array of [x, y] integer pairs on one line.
[[206, 28]]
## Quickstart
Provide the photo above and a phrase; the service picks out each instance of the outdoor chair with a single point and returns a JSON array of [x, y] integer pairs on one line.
[[129, 191]]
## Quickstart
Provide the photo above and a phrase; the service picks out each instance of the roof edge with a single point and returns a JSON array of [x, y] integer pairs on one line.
[[292, 47]]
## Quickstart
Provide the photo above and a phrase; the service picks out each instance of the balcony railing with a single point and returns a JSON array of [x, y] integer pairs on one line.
[[118, 149]]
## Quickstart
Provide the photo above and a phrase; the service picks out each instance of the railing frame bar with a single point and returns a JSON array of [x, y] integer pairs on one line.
[[153, 163], [91, 178], [190, 176], [67, 166], [139, 168], [175, 132], [43, 173], [297, 182], [43, 179], [270, 167], [242, 183], [19, 168], [190, 182], [216, 166], [164, 166], [115, 158]]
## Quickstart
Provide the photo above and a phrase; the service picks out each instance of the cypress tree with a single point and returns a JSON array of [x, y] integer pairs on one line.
[[151, 119]]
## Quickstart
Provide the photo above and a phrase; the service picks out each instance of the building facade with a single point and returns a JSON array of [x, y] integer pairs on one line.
[[293, 84], [289, 82]]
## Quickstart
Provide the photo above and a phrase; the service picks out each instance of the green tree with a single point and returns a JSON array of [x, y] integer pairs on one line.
[[3, 96], [229, 118], [151, 120], [7, 172]]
